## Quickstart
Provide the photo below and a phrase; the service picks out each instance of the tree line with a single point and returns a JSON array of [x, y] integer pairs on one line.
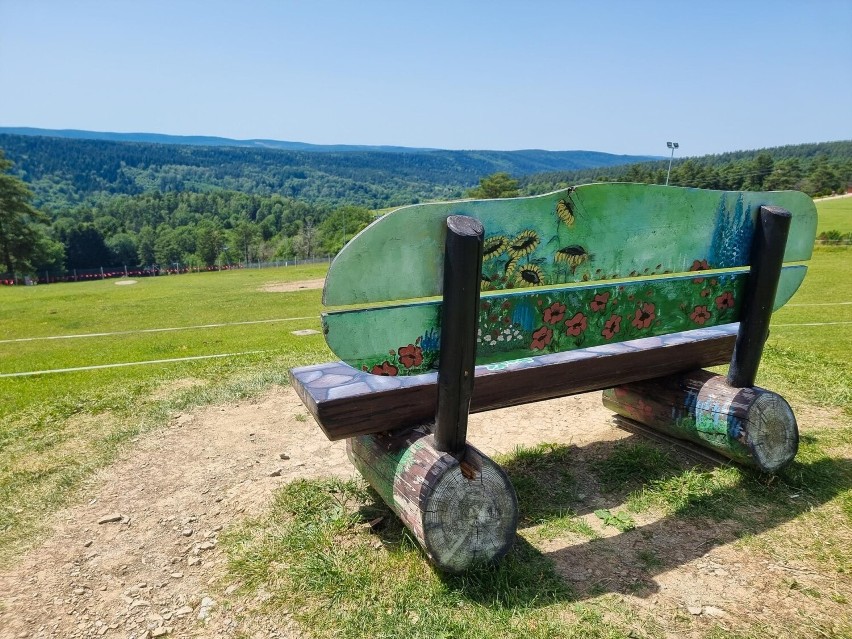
[[57, 230], [164, 229], [815, 169]]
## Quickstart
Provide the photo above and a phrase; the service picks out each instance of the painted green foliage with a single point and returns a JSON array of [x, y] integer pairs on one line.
[[526, 323]]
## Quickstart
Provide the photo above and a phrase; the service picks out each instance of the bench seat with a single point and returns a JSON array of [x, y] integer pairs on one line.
[[347, 402]]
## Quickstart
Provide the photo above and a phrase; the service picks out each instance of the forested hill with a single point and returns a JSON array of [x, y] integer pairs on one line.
[[817, 169], [65, 172], [201, 140]]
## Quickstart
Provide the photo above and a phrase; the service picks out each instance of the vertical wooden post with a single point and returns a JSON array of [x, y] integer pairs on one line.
[[767, 256], [459, 313]]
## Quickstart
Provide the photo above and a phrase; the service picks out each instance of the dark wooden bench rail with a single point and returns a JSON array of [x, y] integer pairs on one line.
[[407, 435]]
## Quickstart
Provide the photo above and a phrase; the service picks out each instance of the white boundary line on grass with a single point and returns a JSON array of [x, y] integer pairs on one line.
[[810, 324], [822, 304], [156, 330], [153, 361]]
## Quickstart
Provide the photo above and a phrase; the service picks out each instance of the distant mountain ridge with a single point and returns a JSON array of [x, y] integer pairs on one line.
[[70, 169], [204, 140], [587, 158]]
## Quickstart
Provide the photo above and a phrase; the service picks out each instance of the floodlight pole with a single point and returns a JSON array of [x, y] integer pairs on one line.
[[672, 146]]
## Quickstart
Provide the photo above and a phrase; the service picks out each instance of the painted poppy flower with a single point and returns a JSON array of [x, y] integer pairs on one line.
[[644, 316], [700, 314], [576, 325], [554, 313], [644, 409], [411, 355], [599, 303], [387, 369], [699, 265], [541, 338], [611, 326], [725, 301]]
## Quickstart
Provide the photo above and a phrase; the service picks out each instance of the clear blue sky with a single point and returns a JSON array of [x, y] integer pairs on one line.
[[616, 76]]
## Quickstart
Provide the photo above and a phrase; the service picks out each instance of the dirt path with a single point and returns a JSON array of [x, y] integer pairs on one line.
[[156, 570], [289, 287], [174, 492]]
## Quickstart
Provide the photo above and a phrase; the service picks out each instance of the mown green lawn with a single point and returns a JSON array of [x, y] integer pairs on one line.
[[835, 215]]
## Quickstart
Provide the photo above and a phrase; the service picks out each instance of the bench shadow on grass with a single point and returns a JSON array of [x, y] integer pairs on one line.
[[556, 484]]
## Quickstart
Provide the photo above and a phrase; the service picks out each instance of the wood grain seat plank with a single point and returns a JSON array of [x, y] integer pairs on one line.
[[347, 402]]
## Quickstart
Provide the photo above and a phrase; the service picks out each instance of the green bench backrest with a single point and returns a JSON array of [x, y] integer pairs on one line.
[[586, 266]]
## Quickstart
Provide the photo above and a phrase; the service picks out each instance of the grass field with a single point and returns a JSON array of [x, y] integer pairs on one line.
[[835, 215], [57, 428]]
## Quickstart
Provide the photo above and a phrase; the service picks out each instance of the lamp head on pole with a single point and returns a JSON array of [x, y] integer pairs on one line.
[[672, 145]]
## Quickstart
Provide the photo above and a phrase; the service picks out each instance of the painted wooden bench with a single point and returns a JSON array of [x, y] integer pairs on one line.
[[475, 305]]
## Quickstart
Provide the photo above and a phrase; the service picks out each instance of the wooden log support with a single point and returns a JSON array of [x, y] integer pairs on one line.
[[767, 257], [462, 508], [752, 426], [459, 314]]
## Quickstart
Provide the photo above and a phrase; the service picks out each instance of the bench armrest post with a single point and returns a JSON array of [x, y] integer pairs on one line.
[[459, 315], [767, 256]]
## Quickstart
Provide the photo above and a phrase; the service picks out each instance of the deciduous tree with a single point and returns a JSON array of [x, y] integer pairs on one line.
[[496, 185], [20, 234]]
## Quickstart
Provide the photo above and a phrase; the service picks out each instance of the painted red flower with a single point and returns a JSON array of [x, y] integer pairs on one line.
[[599, 303], [700, 314], [576, 325], [541, 338], [725, 301], [554, 313], [411, 355], [386, 369], [644, 316], [699, 265], [611, 326]]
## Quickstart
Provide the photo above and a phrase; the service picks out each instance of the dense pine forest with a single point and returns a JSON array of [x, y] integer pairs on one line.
[[68, 204]]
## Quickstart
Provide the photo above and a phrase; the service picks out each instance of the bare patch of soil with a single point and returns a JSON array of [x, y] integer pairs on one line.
[[156, 565], [289, 287]]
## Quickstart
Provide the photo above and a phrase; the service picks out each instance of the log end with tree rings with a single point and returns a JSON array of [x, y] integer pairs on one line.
[[462, 509]]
